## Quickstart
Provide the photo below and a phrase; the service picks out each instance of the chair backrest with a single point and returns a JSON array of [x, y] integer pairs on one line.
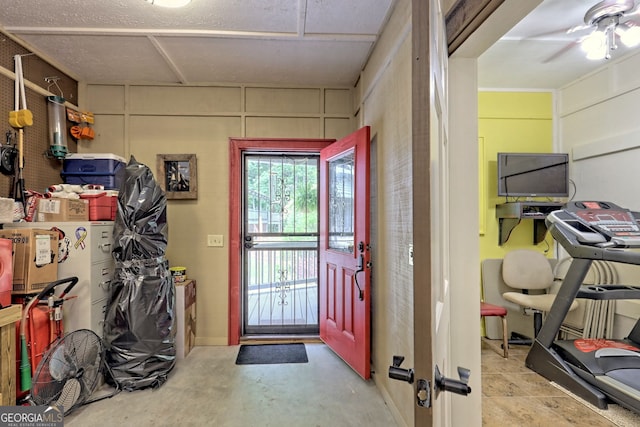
[[526, 269]]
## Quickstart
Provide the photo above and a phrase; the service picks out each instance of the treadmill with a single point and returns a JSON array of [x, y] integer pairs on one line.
[[597, 370]]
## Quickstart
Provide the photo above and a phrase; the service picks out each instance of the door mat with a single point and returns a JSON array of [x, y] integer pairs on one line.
[[268, 354]]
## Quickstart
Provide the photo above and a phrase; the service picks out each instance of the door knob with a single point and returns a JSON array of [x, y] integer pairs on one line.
[[460, 386], [398, 373], [423, 390]]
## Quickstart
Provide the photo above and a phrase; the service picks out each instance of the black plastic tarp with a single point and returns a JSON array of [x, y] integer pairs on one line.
[[139, 328], [140, 229]]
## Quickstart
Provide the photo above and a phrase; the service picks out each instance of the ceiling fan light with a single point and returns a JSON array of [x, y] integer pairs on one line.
[[597, 54], [595, 45], [169, 3], [631, 37]]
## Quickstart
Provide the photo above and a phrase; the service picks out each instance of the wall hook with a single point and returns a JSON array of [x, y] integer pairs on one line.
[[53, 81]]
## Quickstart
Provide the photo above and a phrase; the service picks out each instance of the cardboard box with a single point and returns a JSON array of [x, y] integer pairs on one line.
[[56, 209], [35, 258], [186, 317]]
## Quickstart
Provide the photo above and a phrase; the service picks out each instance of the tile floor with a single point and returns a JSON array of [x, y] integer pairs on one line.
[[514, 395]]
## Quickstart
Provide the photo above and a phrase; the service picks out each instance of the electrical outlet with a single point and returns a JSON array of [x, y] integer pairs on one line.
[[410, 254], [215, 240]]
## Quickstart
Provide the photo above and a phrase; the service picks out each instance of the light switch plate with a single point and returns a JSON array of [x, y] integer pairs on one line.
[[215, 240]]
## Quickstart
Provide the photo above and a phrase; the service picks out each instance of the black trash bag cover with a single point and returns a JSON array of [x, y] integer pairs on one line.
[[139, 332], [140, 228]]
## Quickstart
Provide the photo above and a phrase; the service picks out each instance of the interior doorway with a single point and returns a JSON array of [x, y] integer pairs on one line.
[[280, 243]]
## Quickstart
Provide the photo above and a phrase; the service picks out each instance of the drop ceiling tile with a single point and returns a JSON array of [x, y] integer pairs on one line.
[[350, 17], [267, 61], [106, 58], [245, 15]]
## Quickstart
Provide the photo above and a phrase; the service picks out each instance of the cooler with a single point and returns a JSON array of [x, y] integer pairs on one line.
[[94, 168]]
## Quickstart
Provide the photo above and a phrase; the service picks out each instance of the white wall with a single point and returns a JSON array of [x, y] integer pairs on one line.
[[464, 238], [598, 125]]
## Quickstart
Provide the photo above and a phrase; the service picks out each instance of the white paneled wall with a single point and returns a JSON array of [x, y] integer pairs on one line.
[[599, 125]]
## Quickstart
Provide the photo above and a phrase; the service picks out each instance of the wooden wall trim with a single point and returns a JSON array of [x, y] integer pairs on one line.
[[420, 153], [464, 17]]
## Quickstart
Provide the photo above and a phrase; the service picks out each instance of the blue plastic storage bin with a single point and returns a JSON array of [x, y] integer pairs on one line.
[[92, 168]]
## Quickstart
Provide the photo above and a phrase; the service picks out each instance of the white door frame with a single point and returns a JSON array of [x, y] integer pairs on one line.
[[464, 203]]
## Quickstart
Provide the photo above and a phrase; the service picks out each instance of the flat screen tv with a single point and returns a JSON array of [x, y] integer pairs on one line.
[[533, 174]]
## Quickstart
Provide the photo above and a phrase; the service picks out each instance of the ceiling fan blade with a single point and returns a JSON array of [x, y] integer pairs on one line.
[[576, 28], [560, 31], [635, 11], [560, 52]]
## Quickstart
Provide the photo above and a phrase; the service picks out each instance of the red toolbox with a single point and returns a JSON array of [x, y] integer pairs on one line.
[[102, 205]]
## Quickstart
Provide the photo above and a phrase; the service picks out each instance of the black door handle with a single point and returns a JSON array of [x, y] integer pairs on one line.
[[460, 386], [398, 373]]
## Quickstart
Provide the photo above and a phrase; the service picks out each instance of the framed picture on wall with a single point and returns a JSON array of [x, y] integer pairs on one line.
[[177, 175]]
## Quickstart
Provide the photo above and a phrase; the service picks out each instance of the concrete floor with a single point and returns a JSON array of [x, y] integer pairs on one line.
[[209, 389]]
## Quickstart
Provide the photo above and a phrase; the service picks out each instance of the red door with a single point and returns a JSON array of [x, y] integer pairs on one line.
[[344, 288]]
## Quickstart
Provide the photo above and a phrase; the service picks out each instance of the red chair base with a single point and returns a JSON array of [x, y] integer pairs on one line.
[[490, 310]]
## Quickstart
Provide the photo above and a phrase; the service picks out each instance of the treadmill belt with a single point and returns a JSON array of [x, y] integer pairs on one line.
[[581, 353], [630, 377]]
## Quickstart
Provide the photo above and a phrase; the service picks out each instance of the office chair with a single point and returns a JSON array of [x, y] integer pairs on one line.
[[530, 272]]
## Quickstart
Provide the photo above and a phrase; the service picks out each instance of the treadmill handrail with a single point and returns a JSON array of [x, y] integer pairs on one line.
[[609, 292], [570, 243]]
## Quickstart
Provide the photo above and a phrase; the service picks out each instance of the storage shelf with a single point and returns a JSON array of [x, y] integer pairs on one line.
[[8, 318], [510, 214]]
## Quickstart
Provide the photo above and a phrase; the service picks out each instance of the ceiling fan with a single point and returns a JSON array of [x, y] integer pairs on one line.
[[610, 21]]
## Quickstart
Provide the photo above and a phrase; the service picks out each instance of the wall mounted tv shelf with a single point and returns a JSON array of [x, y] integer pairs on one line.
[[509, 215]]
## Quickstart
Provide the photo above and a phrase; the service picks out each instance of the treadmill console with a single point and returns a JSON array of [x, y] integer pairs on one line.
[[601, 224]]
